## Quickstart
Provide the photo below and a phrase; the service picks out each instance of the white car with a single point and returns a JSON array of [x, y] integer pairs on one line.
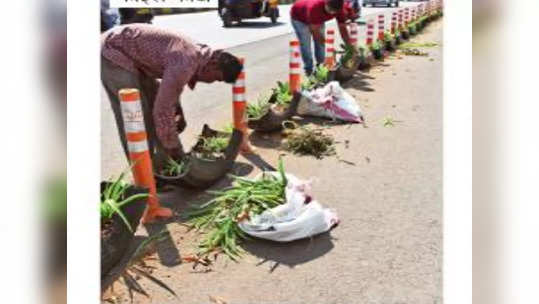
[[387, 3]]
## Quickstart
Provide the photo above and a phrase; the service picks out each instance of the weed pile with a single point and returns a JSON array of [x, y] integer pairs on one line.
[[309, 141]]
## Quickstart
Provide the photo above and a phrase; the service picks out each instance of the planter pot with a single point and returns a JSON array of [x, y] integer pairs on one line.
[[363, 64], [405, 35], [115, 236], [389, 45], [344, 73], [202, 173], [273, 120], [378, 54], [397, 40]]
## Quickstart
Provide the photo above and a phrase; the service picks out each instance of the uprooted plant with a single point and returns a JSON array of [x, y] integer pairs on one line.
[[304, 140], [113, 199], [219, 217]]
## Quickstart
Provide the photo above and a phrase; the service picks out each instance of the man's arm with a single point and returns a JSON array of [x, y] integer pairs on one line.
[[316, 30], [174, 79], [343, 29]]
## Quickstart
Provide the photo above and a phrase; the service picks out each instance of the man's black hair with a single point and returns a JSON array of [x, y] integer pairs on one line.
[[231, 67], [335, 4]]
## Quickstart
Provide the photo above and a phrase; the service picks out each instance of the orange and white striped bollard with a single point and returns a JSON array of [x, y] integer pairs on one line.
[[353, 34], [330, 48], [139, 154], [370, 32], [381, 26], [393, 22], [406, 16], [295, 67], [239, 109], [400, 20]]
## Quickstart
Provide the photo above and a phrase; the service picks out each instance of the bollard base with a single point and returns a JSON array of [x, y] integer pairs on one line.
[[153, 214]]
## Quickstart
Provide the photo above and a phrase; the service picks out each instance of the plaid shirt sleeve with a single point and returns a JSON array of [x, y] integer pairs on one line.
[[174, 79]]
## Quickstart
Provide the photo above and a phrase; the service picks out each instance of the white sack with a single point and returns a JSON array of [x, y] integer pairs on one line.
[[293, 220], [330, 101]]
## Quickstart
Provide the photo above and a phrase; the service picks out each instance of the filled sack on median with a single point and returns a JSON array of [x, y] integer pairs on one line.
[[330, 101], [300, 217]]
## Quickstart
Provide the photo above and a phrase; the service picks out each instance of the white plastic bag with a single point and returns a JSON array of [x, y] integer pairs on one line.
[[331, 101], [300, 217]]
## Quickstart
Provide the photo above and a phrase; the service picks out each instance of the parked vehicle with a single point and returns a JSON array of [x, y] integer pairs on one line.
[[387, 3], [236, 10]]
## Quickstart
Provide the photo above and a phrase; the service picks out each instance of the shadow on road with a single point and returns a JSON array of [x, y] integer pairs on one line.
[[359, 82], [290, 254]]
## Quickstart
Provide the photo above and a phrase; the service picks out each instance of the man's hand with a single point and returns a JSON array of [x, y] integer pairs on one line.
[[318, 36], [176, 153]]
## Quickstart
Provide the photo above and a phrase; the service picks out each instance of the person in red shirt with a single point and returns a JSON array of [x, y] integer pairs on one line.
[[308, 19]]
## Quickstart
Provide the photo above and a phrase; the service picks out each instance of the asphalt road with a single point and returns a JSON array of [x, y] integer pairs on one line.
[[265, 49]]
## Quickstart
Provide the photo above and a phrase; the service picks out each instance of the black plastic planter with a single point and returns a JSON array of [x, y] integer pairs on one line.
[[202, 173], [389, 46], [405, 35], [378, 54], [115, 236], [343, 73], [273, 120]]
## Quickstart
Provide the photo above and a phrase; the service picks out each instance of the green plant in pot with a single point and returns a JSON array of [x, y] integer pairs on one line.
[[397, 36], [362, 55], [412, 28], [174, 167], [113, 199], [376, 50], [348, 56], [259, 108], [388, 41], [282, 94], [319, 77]]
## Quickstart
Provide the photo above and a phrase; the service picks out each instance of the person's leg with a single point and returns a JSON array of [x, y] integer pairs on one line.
[[149, 91], [114, 79], [320, 48], [304, 36]]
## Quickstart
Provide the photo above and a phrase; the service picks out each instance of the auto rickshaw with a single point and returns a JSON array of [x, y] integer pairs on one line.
[[236, 10]]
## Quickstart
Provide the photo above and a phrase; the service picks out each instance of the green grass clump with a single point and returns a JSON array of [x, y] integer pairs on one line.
[[219, 217]]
